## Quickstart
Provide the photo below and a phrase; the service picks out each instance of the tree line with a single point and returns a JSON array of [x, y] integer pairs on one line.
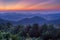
[[22, 32]]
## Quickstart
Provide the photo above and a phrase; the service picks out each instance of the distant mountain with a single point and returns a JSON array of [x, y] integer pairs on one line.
[[51, 16], [14, 16], [7, 21], [3, 21], [57, 21], [39, 20], [19, 16], [32, 20]]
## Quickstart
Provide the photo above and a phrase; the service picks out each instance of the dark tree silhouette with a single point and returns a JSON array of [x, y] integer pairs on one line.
[[17, 29], [34, 31]]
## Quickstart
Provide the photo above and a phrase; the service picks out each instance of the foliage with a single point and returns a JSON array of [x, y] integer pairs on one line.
[[28, 32]]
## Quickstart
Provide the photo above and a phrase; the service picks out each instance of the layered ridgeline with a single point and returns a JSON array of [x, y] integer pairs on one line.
[[32, 20], [19, 16]]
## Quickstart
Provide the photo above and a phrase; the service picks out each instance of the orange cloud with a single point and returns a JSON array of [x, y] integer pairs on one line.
[[30, 5]]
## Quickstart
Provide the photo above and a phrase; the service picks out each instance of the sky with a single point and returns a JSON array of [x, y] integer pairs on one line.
[[29, 4]]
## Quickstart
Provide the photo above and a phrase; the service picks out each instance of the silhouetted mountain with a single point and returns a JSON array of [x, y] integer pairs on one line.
[[7, 21], [3, 21], [57, 21], [52, 16], [32, 20], [14, 16], [39, 17], [18, 16]]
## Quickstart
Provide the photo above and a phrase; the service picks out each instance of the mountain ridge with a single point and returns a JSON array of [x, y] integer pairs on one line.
[[32, 20]]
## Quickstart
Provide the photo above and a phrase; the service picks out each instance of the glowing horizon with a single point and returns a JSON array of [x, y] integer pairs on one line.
[[29, 4]]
